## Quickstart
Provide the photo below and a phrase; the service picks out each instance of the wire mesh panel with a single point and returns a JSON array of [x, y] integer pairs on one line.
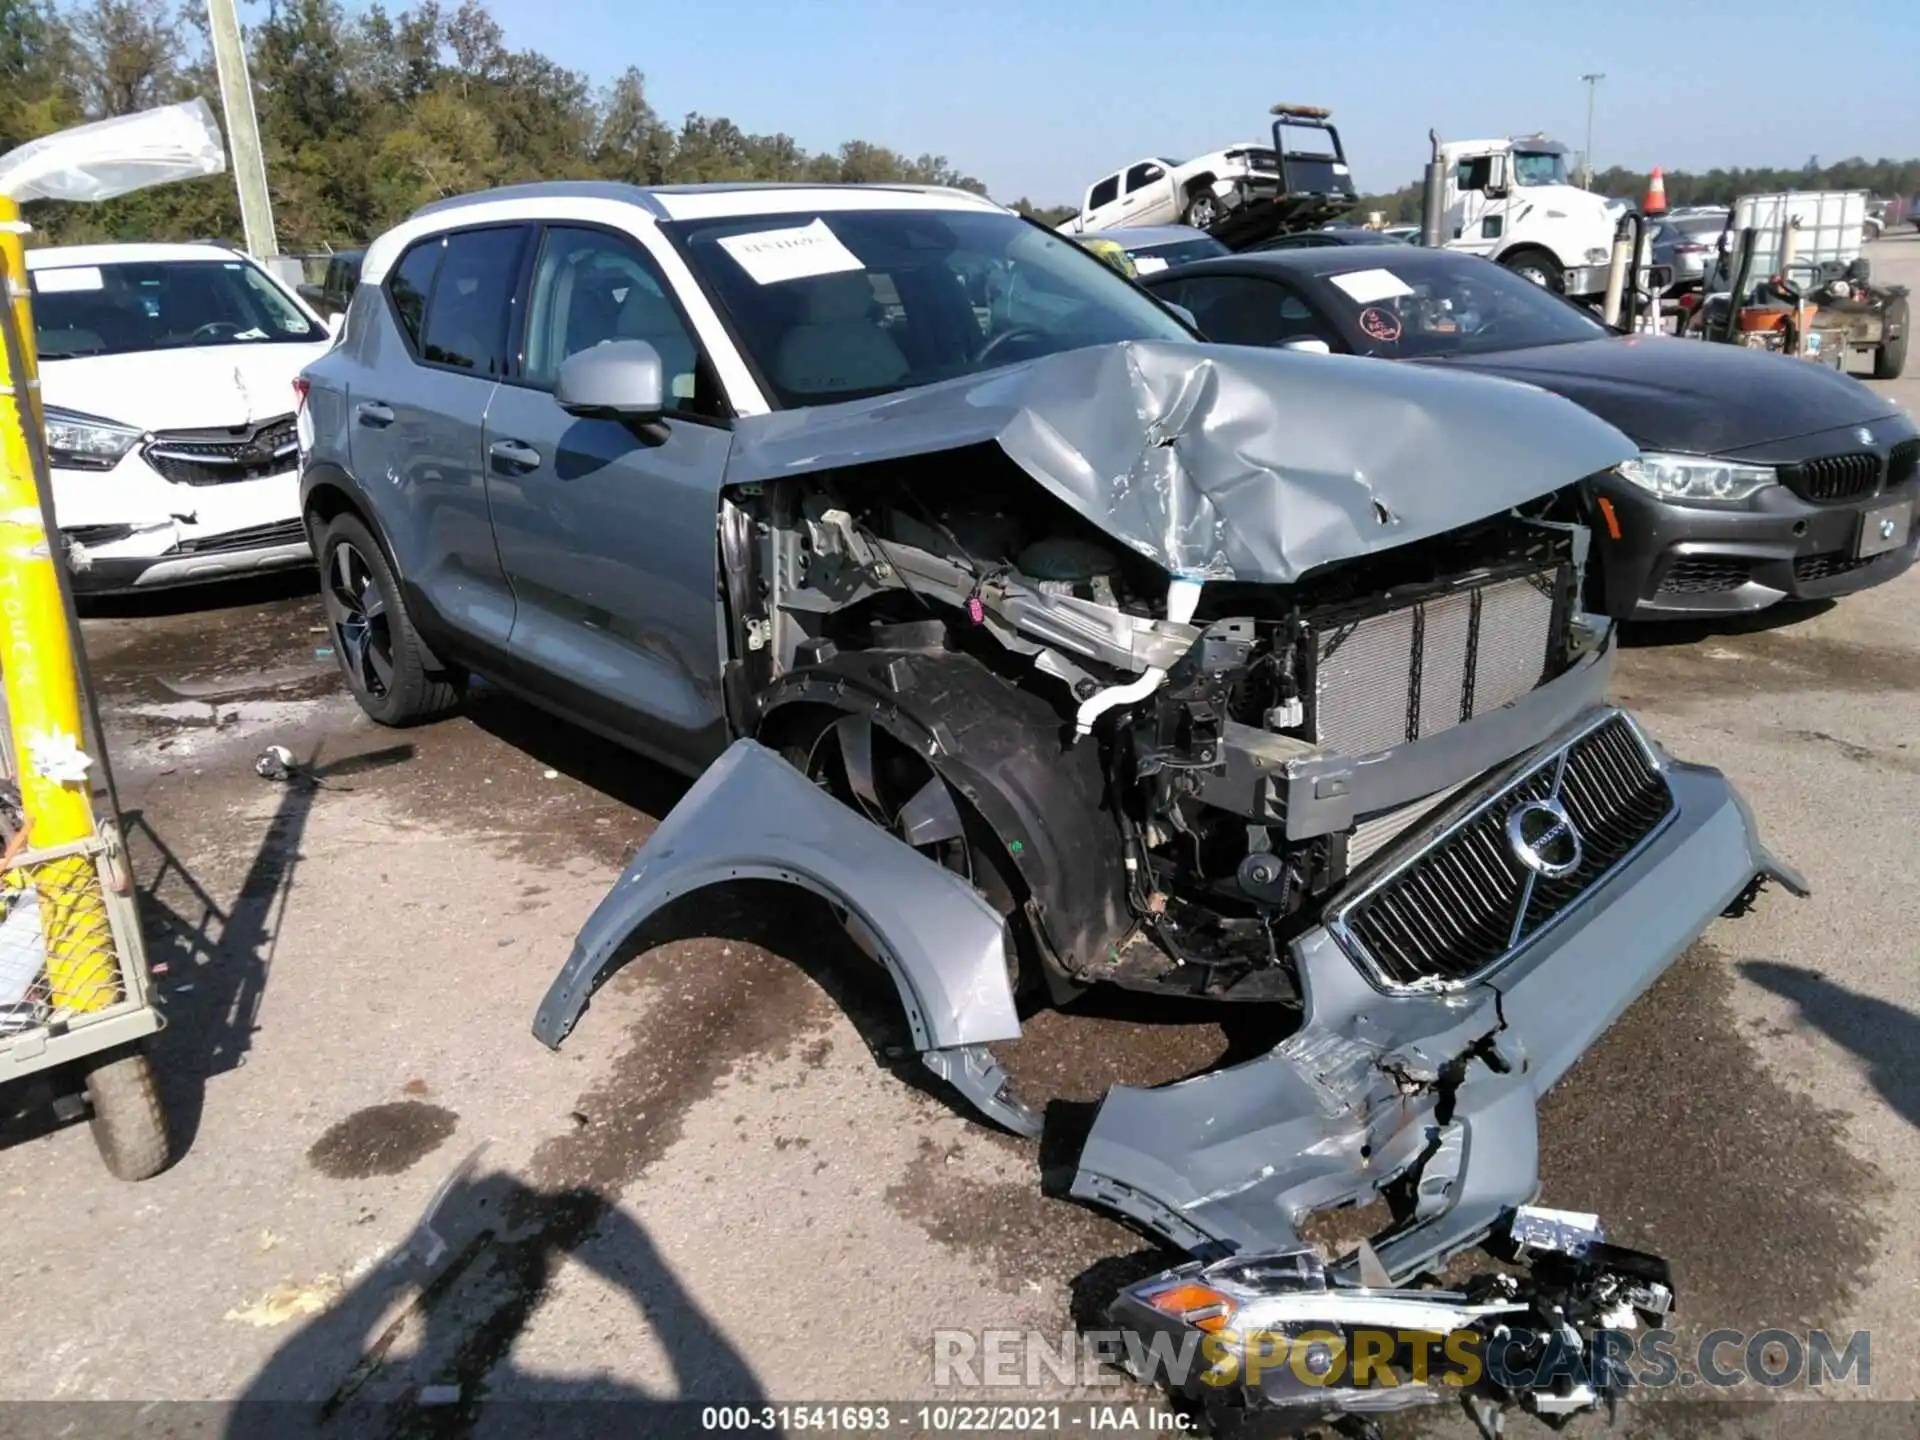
[[57, 957]]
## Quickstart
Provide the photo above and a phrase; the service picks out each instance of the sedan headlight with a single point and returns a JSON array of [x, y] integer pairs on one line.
[[1695, 477], [86, 442]]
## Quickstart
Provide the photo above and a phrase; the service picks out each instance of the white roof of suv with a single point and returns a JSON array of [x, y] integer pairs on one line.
[[632, 205]]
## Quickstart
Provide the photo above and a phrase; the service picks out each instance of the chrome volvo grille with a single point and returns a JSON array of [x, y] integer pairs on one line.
[[1424, 668], [1495, 878]]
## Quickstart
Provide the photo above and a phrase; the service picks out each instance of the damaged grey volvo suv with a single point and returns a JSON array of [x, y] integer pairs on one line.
[[1054, 649]]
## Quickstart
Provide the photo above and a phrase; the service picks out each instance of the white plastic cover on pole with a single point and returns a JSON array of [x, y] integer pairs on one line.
[[114, 157]]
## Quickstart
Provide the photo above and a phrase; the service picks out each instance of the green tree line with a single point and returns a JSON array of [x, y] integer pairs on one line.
[[365, 117], [1887, 179]]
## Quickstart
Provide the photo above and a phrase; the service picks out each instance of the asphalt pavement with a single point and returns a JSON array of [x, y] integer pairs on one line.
[[732, 1182]]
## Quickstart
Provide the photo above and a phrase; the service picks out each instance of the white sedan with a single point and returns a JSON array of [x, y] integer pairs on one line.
[[167, 377]]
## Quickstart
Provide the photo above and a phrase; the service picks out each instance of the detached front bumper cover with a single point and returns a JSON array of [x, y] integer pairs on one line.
[[1428, 1098]]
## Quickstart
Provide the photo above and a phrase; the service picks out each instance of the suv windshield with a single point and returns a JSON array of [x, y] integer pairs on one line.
[[1411, 305], [1539, 167], [161, 305], [842, 304]]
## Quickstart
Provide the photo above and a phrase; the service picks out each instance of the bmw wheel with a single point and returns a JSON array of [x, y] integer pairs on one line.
[[373, 637]]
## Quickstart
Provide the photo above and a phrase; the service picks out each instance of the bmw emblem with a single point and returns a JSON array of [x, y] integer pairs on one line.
[[1863, 435]]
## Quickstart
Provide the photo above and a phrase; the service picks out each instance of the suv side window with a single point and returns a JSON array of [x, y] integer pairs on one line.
[[591, 287], [470, 312], [412, 282], [1105, 193]]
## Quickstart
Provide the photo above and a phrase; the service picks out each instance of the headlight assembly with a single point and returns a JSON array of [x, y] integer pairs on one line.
[[1691, 478], [86, 442]]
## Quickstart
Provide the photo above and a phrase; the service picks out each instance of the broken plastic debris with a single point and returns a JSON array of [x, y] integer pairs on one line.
[[275, 763], [58, 757], [550, 775], [290, 1302]]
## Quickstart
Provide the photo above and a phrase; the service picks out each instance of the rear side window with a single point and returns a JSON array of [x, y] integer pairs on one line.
[[1105, 193], [469, 314], [412, 282]]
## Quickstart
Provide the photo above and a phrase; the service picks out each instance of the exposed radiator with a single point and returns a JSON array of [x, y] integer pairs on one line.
[[1425, 667]]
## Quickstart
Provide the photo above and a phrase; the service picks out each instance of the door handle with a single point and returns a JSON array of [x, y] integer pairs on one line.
[[372, 412], [512, 456]]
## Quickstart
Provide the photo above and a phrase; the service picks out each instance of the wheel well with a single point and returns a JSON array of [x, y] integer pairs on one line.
[[323, 503], [1202, 181], [1521, 252]]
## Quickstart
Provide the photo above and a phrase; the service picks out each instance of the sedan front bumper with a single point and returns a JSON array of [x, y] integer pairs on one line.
[[1678, 561]]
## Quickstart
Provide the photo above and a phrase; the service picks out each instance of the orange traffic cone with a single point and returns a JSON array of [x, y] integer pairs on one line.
[[1656, 203]]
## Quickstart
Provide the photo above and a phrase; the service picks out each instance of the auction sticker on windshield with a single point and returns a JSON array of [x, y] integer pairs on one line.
[[1364, 287], [1381, 325], [69, 278], [795, 253]]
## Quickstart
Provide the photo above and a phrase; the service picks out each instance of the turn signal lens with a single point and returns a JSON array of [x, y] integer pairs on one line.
[[1198, 1306]]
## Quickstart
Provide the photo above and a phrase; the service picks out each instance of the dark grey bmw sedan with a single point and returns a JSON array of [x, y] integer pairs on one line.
[[1760, 478]]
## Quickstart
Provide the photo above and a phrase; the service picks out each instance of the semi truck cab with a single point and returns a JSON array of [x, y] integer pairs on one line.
[[1514, 201]]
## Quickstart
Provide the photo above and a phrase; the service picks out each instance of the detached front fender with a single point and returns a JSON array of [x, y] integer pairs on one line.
[[752, 816]]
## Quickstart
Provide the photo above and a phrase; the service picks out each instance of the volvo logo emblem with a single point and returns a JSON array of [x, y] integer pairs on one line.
[[1544, 838]]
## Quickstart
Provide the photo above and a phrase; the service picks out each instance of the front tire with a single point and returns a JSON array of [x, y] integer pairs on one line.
[[1891, 356], [374, 638], [1539, 267]]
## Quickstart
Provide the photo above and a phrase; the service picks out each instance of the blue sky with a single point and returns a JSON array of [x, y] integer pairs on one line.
[[1037, 97]]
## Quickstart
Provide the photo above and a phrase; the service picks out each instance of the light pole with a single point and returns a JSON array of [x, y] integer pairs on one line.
[[1593, 84], [243, 129]]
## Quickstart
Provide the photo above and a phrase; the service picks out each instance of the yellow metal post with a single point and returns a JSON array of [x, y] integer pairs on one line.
[[42, 686]]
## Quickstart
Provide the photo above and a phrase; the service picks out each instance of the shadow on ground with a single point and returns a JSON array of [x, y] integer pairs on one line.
[[290, 584], [422, 1344], [1885, 1037], [212, 964]]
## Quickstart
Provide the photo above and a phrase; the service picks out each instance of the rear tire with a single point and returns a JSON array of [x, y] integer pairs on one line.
[[374, 638], [1891, 357], [129, 1125], [1539, 267]]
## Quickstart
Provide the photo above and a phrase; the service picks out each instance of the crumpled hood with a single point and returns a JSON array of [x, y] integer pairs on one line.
[[1686, 395], [187, 389], [1222, 462]]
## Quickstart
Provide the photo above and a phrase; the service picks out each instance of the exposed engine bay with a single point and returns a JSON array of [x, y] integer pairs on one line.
[[1192, 698]]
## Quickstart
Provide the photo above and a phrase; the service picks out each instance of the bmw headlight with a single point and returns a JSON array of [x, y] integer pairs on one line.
[[1695, 477], [86, 442]]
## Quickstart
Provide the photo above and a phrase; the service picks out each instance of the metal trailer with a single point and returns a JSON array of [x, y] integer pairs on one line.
[[75, 995], [1313, 185], [1800, 251]]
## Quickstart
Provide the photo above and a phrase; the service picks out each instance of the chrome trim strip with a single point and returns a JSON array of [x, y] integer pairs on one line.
[[1515, 775]]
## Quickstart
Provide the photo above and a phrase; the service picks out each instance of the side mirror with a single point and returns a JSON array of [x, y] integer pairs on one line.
[[620, 380], [1310, 345]]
